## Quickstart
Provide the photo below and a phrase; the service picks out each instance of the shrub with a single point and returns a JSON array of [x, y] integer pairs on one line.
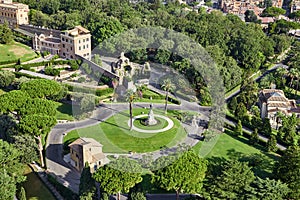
[[63, 191], [104, 92]]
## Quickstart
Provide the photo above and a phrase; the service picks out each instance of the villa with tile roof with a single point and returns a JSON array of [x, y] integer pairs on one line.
[[272, 101], [87, 150]]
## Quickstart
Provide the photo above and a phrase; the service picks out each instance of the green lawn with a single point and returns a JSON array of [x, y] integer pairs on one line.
[[64, 111], [15, 51], [161, 123], [35, 188], [230, 147], [115, 136]]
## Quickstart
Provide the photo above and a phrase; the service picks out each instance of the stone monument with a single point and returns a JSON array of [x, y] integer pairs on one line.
[[151, 120]]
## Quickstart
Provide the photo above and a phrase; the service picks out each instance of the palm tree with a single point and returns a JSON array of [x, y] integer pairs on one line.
[[278, 117], [130, 97], [167, 86], [281, 72], [292, 74], [297, 73]]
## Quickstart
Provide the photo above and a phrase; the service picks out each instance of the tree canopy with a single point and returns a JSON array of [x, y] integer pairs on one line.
[[185, 174], [41, 88]]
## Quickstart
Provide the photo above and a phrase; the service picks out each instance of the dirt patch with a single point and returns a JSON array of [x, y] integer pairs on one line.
[[18, 50]]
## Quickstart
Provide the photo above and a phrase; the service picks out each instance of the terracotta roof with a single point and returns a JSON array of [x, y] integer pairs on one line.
[[278, 105], [76, 144]]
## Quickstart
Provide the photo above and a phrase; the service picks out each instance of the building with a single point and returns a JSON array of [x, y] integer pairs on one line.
[[68, 44], [13, 13], [272, 101], [76, 42], [295, 6], [239, 7], [86, 150]]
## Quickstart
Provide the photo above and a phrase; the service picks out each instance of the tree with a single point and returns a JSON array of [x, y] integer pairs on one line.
[[130, 97], [273, 12], [41, 88], [295, 15], [11, 170], [268, 3], [38, 126], [177, 176], [272, 144], [137, 196], [238, 128], [250, 16], [22, 194], [6, 78], [254, 137], [87, 103], [268, 189], [119, 177], [167, 86], [266, 128], [6, 35], [231, 181], [29, 148], [288, 170], [87, 183]]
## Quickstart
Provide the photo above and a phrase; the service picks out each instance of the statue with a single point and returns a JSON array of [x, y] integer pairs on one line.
[[151, 120]]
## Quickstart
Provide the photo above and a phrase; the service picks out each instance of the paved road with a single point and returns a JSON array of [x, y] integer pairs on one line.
[[54, 149], [258, 78]]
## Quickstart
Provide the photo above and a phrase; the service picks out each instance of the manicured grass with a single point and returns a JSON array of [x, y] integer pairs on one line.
[[35, 188], [230, 147], [15, 51], [115, 136], [161, 123], [64, 111]]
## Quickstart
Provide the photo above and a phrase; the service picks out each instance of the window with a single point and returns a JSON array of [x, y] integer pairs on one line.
[[71, 49], [79, 48], [63, 39], [67, 40], [83, 40], [79, 41], [63, 45], [87, 39], [83, 46]]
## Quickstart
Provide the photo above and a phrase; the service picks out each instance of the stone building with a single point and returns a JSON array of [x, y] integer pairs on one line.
[[272, 101], [239, 7], [68, 44], [86, 150], [13, 13], [76, 42]]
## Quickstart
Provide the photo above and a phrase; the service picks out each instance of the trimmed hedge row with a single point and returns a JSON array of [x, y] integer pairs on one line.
[[63, 191], [5, 62]]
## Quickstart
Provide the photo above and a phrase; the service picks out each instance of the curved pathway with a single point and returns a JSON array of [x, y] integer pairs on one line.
[[54, 147], [170, 124]]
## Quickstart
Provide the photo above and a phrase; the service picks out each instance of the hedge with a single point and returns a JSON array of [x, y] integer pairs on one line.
[[104, 92], [5, 62], [63, 191]]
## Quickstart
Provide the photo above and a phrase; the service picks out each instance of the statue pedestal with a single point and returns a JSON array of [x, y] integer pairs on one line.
[[151, 120]]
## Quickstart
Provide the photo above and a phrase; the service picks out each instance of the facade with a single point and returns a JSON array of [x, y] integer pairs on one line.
[[69, 44], [47, 43], [76, 42], [13, 13], [295, 6], [87, 150], [272, 101]]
